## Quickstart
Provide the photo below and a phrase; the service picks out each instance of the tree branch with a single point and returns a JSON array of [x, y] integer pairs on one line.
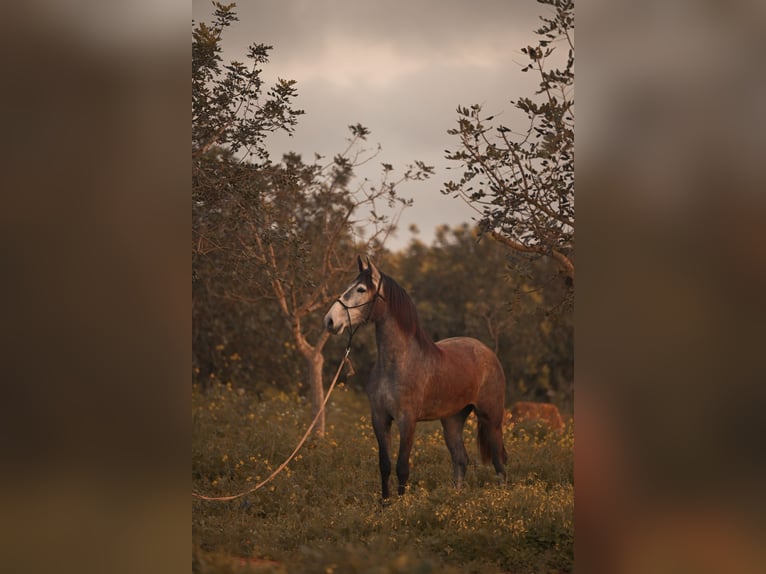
[[564, 261]]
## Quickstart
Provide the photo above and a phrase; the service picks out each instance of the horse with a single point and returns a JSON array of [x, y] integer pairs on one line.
[[416, 379]]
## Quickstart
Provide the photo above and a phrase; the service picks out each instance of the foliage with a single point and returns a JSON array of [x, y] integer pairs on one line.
[[230, 115], [229, 112], [522, 182], [322, 514]]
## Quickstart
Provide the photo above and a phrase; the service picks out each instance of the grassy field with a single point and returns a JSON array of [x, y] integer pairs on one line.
[[323, 514]]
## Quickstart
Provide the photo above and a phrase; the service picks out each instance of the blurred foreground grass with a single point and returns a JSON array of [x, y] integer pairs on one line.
[[322, 514]]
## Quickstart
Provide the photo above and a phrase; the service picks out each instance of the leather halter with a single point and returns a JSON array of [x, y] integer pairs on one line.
[[371, 303]]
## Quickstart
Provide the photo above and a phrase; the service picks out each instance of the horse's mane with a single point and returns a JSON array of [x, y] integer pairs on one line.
[[403, 310]]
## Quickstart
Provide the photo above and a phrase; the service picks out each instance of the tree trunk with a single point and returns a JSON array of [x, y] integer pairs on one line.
[[312, 354], [314, 364]]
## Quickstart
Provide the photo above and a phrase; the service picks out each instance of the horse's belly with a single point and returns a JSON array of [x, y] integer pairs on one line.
[[457, 380], [445, 401]]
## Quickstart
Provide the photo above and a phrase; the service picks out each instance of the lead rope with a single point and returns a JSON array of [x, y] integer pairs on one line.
[[282, 466], [344, 361]]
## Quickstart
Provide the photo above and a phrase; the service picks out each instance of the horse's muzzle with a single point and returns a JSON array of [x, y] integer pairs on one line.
[[331, 326]]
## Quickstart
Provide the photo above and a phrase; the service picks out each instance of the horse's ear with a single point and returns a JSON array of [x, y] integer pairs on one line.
[[375, 272], [360, 263]]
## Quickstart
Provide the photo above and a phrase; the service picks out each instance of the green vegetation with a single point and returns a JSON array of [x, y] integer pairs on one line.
[[323, 514]]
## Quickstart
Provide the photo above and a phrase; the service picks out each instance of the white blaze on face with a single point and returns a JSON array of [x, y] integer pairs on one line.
[[335, 320], [355, 304], [350, 309]]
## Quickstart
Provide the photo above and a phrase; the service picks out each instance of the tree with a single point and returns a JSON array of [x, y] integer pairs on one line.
[[229, 112], [230, 115], [272, 242], [522, 183], [300, 237]]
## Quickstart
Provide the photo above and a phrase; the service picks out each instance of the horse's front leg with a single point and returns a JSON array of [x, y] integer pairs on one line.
[[406, 439], [381, 424]]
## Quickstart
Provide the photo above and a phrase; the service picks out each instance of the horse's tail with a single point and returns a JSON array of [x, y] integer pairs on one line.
[[485, 440]]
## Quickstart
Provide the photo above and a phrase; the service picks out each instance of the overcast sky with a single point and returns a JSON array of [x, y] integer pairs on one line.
[[400, 68]]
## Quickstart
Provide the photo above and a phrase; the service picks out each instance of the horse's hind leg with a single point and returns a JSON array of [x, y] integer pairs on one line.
[[490, 410], [453, 436]]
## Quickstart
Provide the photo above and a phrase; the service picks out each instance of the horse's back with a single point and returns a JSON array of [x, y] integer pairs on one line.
[[469, 349], [466, 354]]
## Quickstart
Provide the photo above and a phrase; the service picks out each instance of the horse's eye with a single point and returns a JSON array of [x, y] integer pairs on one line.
[[360, 289]]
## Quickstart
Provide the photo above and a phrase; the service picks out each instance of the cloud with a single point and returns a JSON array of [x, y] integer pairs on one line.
[[399, 68], [352, 62], [346, 62]]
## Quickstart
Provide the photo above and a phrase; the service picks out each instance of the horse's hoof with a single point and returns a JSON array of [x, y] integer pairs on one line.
[[385, 502]]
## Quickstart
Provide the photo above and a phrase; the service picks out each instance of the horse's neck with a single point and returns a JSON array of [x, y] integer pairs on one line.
[[394, 346]]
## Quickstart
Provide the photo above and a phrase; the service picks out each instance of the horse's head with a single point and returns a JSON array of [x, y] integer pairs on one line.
[[355, 305]]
